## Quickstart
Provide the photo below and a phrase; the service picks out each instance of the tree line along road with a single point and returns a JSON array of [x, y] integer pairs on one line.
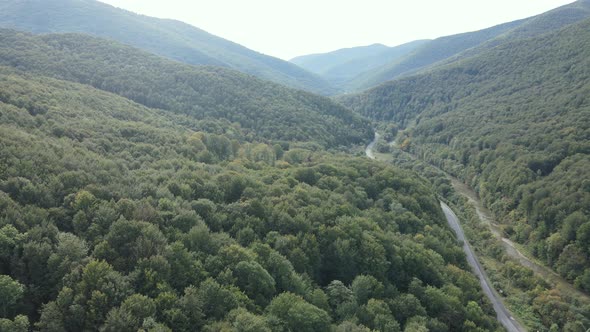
[[502, 314]]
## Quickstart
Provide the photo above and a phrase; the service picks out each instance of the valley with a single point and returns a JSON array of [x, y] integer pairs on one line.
[[490, 244], [502, 314], [155, 177]]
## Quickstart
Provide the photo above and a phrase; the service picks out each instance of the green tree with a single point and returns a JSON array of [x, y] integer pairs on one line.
[[366, 287], [216, 300], [377, 315], [11, 292], [298, 315], [20, 323], [245, 321], [255, 281], [338, 294]]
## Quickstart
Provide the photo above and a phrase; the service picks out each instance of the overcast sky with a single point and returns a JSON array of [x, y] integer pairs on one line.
[[286, 29]]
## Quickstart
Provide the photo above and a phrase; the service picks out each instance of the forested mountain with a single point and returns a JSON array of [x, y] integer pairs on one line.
[[264, 110], [514, 122], [169, 38], [552, 20], [342, 65], [544, 23], [119, 217], [322, 62], [425, 55], [428, 54], [140, 193]]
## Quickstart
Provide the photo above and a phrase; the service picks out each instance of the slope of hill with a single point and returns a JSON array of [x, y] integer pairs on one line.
[[169, 38], [544, 23], [263, 109], [514, 123], [427, 55], [117, 217], [322, 62], [371, 67], [338, 67], [553, 20]]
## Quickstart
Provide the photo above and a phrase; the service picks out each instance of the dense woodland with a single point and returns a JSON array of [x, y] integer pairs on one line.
[[539, 304], [514, 123], [119, 217], [169, 38], [264, 110], [360, 68], [427, 55], [138, 193], [341, 66]]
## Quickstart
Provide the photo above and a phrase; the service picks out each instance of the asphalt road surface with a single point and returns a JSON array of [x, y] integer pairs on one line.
[[502, 313], [369, 149]]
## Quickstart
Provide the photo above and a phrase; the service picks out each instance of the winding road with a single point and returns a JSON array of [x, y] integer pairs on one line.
[[502, 314], [369, 149]]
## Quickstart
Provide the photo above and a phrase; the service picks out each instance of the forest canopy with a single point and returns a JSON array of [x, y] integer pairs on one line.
[[119, 217], [264, 110], [513, 123]]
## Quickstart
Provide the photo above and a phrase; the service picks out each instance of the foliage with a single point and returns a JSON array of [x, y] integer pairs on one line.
[[169, 38], [115, 216], [260, 110], [449, 49], [513, 123]]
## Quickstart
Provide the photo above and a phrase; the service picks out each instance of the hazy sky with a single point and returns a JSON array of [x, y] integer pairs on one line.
[[289, 28]]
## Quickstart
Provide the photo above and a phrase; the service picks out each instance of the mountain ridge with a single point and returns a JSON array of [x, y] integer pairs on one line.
[[266, 109], [513, 123], [170, 38], [340, 66], [448, 49]]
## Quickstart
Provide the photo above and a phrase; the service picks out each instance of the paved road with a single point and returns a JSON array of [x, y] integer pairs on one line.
[[502, 313], [369, 149], [511, 249]]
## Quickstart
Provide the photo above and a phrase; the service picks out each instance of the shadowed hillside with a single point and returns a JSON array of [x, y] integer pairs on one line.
[[169, 38], [263, 109]]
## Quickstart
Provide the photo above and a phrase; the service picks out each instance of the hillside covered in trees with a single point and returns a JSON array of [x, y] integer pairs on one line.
[[341, 66], [135, 199], [172, 39], [138, 193], [263, 110], [370, 66], [513, 123]]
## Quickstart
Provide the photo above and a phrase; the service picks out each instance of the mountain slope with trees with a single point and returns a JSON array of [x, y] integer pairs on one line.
[[263, 109], [118, 217], [340, 66], [427, 55], [552, 20], [169, 38], [513, 123], [321, 62]]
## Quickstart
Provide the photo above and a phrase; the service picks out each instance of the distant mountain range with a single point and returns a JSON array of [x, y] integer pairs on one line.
[[343, 65], [345, 70], [169, 38], [348, 69]]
